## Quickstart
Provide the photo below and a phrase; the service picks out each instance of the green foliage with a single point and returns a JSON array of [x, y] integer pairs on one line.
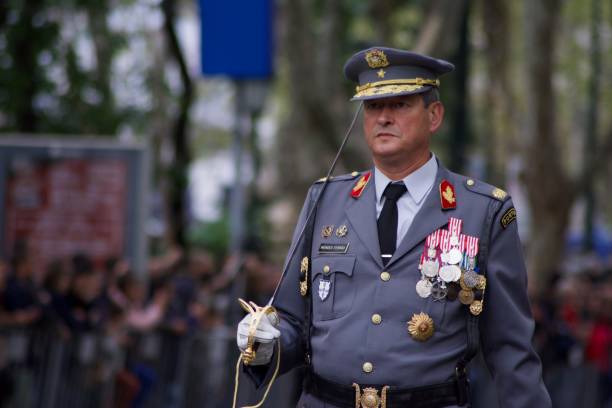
[[44, 85], [213, 236]]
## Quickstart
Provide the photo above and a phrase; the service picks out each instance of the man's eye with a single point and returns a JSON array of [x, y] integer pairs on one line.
[[373, 106], [399, 105]]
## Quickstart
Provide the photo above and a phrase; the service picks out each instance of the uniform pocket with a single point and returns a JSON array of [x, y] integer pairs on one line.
[[333, 290]]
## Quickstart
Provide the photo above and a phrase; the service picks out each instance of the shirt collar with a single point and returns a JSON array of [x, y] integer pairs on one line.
[[418, 183]]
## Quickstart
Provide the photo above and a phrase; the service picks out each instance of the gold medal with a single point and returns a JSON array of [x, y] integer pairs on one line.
[[304, 278], [327, 231], [341, 231], [466, 297], [462, 283], [482, 282], [476, 307], [421, 326], [304, 286]]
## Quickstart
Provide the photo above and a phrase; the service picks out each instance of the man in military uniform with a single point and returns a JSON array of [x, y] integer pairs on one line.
[[405, 270]]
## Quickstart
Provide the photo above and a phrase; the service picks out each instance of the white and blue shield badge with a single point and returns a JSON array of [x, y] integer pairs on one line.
[[324, 287]]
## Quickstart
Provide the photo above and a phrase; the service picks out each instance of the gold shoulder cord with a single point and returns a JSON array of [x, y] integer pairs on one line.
[[248, 355]]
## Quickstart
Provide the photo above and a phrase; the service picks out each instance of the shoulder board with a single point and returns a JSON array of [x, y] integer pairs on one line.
[[343, 177], [485, 189]]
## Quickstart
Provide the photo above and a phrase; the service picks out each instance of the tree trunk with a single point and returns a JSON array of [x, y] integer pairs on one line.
[[177, 174], [549, 189], [500, 116], [26, 53]]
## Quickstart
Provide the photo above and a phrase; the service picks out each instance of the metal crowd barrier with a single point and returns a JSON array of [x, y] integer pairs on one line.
[[44, 368]]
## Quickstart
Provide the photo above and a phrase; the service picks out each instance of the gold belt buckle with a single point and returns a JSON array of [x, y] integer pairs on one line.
[[369, 398]]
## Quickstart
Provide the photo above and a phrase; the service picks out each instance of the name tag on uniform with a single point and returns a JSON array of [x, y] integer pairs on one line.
[[333, 248]]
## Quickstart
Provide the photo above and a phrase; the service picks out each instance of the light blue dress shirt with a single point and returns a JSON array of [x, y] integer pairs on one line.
[[418, 183]]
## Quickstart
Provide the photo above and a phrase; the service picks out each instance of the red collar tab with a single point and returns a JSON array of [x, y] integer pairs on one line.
[[448, 199], [360, 185]]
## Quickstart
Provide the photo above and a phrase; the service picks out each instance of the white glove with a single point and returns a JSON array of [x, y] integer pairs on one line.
[[265, 335]]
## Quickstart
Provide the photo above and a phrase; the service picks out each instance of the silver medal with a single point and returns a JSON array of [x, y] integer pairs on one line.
[[444, 257], [423, 288], [450, 273], [430, 268], [470, 278], [431, 252], [454, 256], [471, 262], [324, 287], [438, 291]]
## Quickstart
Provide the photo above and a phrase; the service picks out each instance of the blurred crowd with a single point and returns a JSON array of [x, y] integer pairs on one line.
[[184, 295], [180, 295], [574, 337]]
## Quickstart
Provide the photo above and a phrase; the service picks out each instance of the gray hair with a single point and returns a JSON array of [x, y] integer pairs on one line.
[[430, 96]]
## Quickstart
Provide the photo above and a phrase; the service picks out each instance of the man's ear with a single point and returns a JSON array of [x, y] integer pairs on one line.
[[436, 115]]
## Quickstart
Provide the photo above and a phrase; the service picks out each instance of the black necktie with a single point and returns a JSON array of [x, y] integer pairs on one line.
[[387, 221]]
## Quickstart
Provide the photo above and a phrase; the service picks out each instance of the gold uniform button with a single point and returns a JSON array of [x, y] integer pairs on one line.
[[367, 367], [326, 269], [376, 318], [470, 182], [385, 276]]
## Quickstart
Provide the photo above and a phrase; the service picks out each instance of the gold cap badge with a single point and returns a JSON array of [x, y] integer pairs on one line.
[[376, 59], [421, 326]]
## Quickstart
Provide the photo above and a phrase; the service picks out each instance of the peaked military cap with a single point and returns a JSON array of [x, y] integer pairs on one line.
[[382, 72]]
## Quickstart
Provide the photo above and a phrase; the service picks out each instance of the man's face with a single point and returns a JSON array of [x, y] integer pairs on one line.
[[399, 128]]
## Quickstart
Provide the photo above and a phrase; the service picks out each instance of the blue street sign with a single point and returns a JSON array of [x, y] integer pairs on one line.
[[237, 38]]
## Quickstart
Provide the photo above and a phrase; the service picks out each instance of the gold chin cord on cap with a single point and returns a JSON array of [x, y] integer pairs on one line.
[[247, 357]]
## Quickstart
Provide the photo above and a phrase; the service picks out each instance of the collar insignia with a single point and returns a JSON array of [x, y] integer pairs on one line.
[[448, 200], [360, 185]]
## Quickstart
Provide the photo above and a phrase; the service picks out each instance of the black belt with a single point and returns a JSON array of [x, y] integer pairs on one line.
[[345, 396]]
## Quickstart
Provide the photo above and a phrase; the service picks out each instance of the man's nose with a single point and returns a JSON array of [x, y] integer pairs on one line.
[[386, 116]]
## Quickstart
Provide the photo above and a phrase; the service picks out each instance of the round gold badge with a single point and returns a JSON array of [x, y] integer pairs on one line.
[[466, 297], [421, 326], [476, 307], [482, 282]]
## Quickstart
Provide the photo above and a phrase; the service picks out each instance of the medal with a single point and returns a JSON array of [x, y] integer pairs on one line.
[[454, 256], [438, 290], [431, 252], [423, 288], [450, 273], [466, 296], [476, 307], [341, 231], [471, 279], [421, 326], [482, 283], [304, 276], [452, 291], [327, 231], [430, 268], [454, 227]]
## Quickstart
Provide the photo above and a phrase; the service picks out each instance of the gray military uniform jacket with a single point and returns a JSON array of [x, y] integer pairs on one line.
[[343, 335]]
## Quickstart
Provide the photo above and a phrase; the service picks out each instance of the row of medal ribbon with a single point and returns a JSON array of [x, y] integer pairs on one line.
[[449, 268]]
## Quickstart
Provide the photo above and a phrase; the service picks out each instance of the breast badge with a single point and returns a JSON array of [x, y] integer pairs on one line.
[[342, 231], [421, 326], [327, 231], [324, 287]]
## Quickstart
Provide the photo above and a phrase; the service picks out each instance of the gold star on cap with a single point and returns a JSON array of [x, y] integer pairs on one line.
[[381, 73], [421, 326]]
